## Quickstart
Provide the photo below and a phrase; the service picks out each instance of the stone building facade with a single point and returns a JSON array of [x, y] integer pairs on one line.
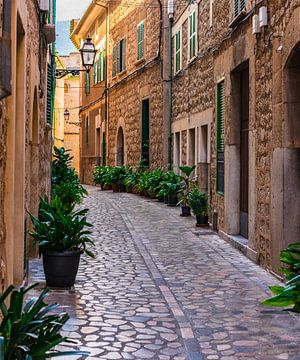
[[244, 81], [123, 120], [25, 134], [67, 97]]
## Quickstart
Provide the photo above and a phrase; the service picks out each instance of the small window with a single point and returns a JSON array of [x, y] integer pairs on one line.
[[177, 51], [119, 57], [114, 60], [192, 35], [220, 137], [238, 7], [87, 83], [96, 70], [141, 42], [122, 55]]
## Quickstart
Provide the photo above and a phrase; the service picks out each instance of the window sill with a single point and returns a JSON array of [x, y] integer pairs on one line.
[[120, 74], [140, 62], [238, 19], [178, 73], [192, 59]]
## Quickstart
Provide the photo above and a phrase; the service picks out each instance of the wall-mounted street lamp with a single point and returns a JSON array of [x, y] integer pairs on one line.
[[67, 115], [88, 55]]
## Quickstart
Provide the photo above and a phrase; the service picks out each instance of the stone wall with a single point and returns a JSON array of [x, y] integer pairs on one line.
[[36, 150], [142, 79]]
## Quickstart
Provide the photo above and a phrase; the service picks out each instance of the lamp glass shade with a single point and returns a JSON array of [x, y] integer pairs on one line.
[[88, 54], [67, 115]]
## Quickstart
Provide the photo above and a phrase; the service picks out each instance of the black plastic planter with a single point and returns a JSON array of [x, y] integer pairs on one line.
[[172, 200], [185, 211], [202, 220], [61, 268], [122, 187]]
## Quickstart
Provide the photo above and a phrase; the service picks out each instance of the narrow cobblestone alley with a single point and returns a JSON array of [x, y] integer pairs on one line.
[[161, 289]]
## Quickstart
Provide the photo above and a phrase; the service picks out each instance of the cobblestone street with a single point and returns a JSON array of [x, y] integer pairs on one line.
[[160, 288]]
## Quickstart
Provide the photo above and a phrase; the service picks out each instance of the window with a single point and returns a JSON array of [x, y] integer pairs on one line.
[[177, 51], [114, 60], [99, 71], [220, 137], [87, 130], [119, 57], [192, 36], [238, 7], [122, 55], [141, 37], [50, 87], [87, 83]]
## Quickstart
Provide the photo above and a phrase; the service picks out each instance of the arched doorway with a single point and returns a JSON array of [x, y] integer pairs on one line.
[[120, 147]]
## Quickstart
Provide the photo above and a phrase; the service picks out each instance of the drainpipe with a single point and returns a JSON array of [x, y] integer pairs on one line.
[[5, 51], [171, 16]]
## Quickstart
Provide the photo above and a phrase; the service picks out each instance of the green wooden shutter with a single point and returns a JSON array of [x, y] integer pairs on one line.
[[50, 88], [114, 60], [87, 129], [238, 6], [141, 37], [122, 56], [193, 36], [220, 136], [96, 70], [87, 83], [177, 51], [101, 65]]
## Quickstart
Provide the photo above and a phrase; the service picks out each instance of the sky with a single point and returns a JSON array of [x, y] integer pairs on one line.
[[71, 9]]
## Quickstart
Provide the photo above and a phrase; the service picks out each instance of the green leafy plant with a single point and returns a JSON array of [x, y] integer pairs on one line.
[[60, 229], [198, 202], [170, 186], [288, 295], [65, 182], [154, 179], [99, 174], [131, 180], [184, 194], [30, 330]]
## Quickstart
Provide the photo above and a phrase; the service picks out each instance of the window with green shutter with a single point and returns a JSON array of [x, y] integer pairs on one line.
[[220, 136], [50, 87], [177, 51], [96, 70], [87, 83], [238, 7], [192, 35], [141, 42], [122, 55], [101, 66], [115, 60]]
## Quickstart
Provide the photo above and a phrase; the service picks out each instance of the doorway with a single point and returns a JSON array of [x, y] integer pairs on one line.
[[120, 147], [244, 152], [145, 156]]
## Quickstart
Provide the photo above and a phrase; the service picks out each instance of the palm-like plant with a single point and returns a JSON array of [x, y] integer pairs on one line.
[[60, 229], [187, 172], [30, 330]]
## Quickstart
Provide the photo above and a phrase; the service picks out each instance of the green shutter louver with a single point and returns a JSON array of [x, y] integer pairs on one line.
[[114, 60], [50, 87], [192, 35], [102, 65], [238, 7], [96, 70], [220, 136], [141, 37], [177, 51], [87, 83]]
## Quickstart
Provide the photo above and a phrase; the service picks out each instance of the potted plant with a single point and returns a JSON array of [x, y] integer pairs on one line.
[[184, 195], [155, 178], [170, 188], [31, 329], [99, 176], [62, 237], [198, 202], [64, 179]]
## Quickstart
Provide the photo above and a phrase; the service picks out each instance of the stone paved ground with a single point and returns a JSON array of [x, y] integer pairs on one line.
[[161, 289]]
